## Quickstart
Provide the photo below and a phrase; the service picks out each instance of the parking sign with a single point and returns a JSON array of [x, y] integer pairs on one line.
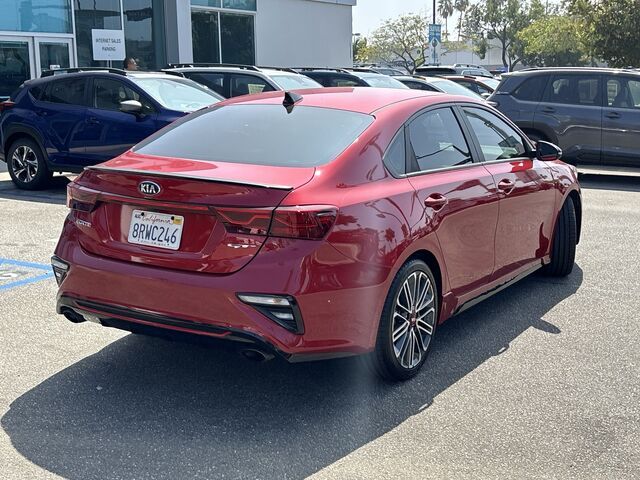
[[435, 30]]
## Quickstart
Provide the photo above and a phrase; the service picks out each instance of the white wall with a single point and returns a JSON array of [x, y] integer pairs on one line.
[[304, 33]]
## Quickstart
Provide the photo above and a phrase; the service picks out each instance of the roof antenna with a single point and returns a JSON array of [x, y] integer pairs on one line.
[[290, 99]]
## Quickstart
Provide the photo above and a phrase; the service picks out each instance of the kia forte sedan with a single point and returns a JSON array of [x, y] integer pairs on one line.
[[317, 224]]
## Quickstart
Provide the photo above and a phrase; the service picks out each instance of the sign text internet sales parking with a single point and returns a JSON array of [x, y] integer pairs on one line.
[[108, 44]]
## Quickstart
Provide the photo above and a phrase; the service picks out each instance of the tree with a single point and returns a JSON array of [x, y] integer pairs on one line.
[[613, 29], [402, 39], [445, 10], [360, 50], [461, 6], [555, 41], [501, 20]]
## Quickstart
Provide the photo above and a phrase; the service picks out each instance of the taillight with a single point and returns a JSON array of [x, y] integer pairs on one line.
[[81, 198], [6, 105], [251, 221], [310, 222]]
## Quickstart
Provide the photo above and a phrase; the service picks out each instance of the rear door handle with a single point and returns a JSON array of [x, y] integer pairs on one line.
[[42, 113], [548, 109], [93, 120], [506, 186], [612, 115], [435, 201]]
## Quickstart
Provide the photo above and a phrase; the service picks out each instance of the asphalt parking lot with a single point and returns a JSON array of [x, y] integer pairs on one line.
[[540, 381]]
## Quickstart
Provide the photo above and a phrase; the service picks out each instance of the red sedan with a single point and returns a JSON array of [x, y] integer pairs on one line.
[[317, 224]]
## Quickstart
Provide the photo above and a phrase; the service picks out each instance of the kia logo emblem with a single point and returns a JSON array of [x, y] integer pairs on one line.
[[149, 188]]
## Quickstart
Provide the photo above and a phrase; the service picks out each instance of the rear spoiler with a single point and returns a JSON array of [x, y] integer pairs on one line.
[[186, 175]]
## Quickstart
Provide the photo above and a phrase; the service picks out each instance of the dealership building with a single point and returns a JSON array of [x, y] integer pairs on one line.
[[36, 35]]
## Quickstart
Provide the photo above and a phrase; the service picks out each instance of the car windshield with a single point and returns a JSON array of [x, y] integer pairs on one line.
[[377, 80], [293, 82], [260, 135], [453, 88], [179, 94]]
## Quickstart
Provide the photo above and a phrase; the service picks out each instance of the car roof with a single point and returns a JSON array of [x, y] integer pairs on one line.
[[362, 100], [543, 70], [228, 68]]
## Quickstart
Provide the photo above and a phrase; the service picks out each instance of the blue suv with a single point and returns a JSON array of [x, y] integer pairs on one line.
[[77, 117]]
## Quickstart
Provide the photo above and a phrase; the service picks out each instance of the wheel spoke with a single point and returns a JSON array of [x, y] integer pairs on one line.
[[401, 330]]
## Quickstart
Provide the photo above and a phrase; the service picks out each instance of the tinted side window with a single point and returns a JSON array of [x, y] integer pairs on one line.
[[108, 94], [215, 81], [70, 92], [395, 156], [623, 93], [419, 86], [498, 141], [531, 89], [470, 85], [574, 89], [247, 84], [436, 141], [343, 82]]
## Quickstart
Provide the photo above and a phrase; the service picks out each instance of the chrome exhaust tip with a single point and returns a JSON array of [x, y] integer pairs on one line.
[[255, 355]]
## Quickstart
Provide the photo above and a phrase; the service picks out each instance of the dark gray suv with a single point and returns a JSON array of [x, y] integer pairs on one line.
[[593, 114]]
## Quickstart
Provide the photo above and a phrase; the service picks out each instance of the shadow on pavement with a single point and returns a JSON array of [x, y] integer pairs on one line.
[[610, 182], [148, 408], [55, 194]]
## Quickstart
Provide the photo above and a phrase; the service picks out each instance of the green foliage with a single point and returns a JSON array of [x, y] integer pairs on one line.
[[501, 20], [445, 10], [613, 29], [401, 39], [555, 41], [360, 50]]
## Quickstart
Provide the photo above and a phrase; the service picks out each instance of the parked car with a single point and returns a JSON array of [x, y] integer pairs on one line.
[[333, 77], [455, 69], [341, 77], [593, 114], [483, 86], [316, 225], [437, 84], [70, 119], [231, 80]]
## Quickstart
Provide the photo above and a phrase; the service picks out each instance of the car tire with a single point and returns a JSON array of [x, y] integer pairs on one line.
[[563, 248], [27, 165], [411, 306]]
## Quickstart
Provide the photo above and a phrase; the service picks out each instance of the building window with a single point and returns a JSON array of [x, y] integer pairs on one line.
[[144, 32], [222, 37], [240, 4], [51, 16], [94, 14], [14, 66]]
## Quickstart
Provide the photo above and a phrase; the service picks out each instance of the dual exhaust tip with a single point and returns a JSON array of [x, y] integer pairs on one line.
[[253, 354]]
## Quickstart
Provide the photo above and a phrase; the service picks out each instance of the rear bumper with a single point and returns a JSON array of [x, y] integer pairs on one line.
[[340, 306]]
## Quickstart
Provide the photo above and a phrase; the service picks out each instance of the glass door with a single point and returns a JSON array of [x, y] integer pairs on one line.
[[52, 54], [16, 63]]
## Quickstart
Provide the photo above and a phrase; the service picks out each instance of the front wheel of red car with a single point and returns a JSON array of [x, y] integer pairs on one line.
[[407, 324]]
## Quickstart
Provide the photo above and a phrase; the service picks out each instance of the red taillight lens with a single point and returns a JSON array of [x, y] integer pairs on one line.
[[310, 222], [81, 198], [249, 221], [6, 105]]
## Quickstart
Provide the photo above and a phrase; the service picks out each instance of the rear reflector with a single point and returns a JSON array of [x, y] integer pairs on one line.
[[6, 105], [310, 222], [281, 309]]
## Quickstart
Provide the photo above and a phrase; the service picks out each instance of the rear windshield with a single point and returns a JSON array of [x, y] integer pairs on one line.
[[447, 86], [293, 82], [177, 93], [259, 135]]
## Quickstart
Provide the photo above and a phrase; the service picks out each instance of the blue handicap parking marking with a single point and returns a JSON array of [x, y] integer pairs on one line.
[[14, 273]]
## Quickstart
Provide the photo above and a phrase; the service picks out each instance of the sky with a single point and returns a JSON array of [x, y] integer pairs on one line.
[[369, 14]]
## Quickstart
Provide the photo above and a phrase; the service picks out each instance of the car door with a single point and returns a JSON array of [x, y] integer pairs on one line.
[[110, 131], [459, 197], [526, 190], [572, 108], [621, 121], [61, 112]]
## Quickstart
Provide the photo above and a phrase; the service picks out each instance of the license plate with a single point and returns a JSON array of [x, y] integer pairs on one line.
[[160, 230]]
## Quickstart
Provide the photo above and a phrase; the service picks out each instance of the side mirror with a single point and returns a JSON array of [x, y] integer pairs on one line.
[[485, 95], [547, 151], [131, 106]]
